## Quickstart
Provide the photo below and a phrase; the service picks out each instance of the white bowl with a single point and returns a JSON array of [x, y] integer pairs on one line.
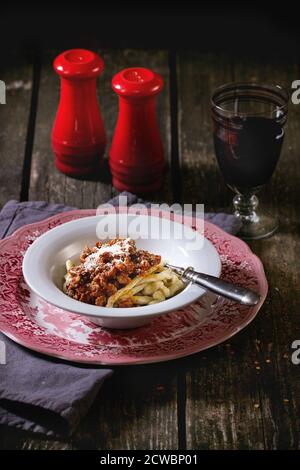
[[44, 263]]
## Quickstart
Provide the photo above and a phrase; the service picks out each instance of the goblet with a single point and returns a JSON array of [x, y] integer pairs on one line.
[[248, 129]]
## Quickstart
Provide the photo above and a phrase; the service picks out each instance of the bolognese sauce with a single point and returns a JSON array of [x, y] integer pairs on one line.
[[106, 268]]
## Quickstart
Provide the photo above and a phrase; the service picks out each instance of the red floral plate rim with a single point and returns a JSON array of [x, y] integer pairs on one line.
[[191, 330]]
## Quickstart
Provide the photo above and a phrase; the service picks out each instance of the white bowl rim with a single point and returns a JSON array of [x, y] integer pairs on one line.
[[190, 294]]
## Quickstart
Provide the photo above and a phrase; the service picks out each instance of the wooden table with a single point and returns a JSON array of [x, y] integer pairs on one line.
[[243, 394]]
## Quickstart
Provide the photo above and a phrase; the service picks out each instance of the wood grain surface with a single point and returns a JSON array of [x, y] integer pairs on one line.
[[14, 118], [243, 394]]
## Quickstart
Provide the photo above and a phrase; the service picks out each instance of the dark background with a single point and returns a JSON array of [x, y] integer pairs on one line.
[[249, 29]]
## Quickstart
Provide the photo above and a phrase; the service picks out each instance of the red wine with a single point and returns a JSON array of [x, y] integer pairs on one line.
[[248, 150]]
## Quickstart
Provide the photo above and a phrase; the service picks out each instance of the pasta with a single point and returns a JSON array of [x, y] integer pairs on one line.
[[116, 274]]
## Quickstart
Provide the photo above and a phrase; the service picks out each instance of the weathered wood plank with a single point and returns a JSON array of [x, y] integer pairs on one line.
[[198, 75], [137, 409], [14, 117], [229, 394], [223, 405], [250, 399], [15, 439], [279, 324]]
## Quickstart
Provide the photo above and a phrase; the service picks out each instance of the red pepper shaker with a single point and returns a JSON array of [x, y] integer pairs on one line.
[[136, 154], [78, 135]]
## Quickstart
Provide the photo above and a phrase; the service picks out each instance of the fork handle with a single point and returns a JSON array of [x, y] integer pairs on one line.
[[239, 294]]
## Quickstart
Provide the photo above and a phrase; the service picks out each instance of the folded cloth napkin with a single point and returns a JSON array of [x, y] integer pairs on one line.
[[43, 394]]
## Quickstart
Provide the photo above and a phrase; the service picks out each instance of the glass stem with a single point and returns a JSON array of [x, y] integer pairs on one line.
[[245, 207]]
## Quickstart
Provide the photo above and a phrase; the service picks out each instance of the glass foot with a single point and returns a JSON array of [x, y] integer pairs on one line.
[[254, 225], [263, 227]]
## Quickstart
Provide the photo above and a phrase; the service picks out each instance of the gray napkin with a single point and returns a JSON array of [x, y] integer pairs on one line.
[[43, 394]]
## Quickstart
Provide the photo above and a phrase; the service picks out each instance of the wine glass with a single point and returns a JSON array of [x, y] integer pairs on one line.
[[248, 129]]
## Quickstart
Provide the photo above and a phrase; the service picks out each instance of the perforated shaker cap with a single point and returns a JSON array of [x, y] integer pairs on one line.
[[137, 82], [78, 63]]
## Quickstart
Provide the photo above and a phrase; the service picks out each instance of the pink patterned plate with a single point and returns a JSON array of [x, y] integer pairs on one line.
[[39, 326]]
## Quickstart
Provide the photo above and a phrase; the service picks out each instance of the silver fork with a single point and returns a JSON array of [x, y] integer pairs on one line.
[[239, 294]]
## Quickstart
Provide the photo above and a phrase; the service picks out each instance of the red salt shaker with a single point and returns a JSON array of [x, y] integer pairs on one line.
[[78, 135], [136, 154]]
